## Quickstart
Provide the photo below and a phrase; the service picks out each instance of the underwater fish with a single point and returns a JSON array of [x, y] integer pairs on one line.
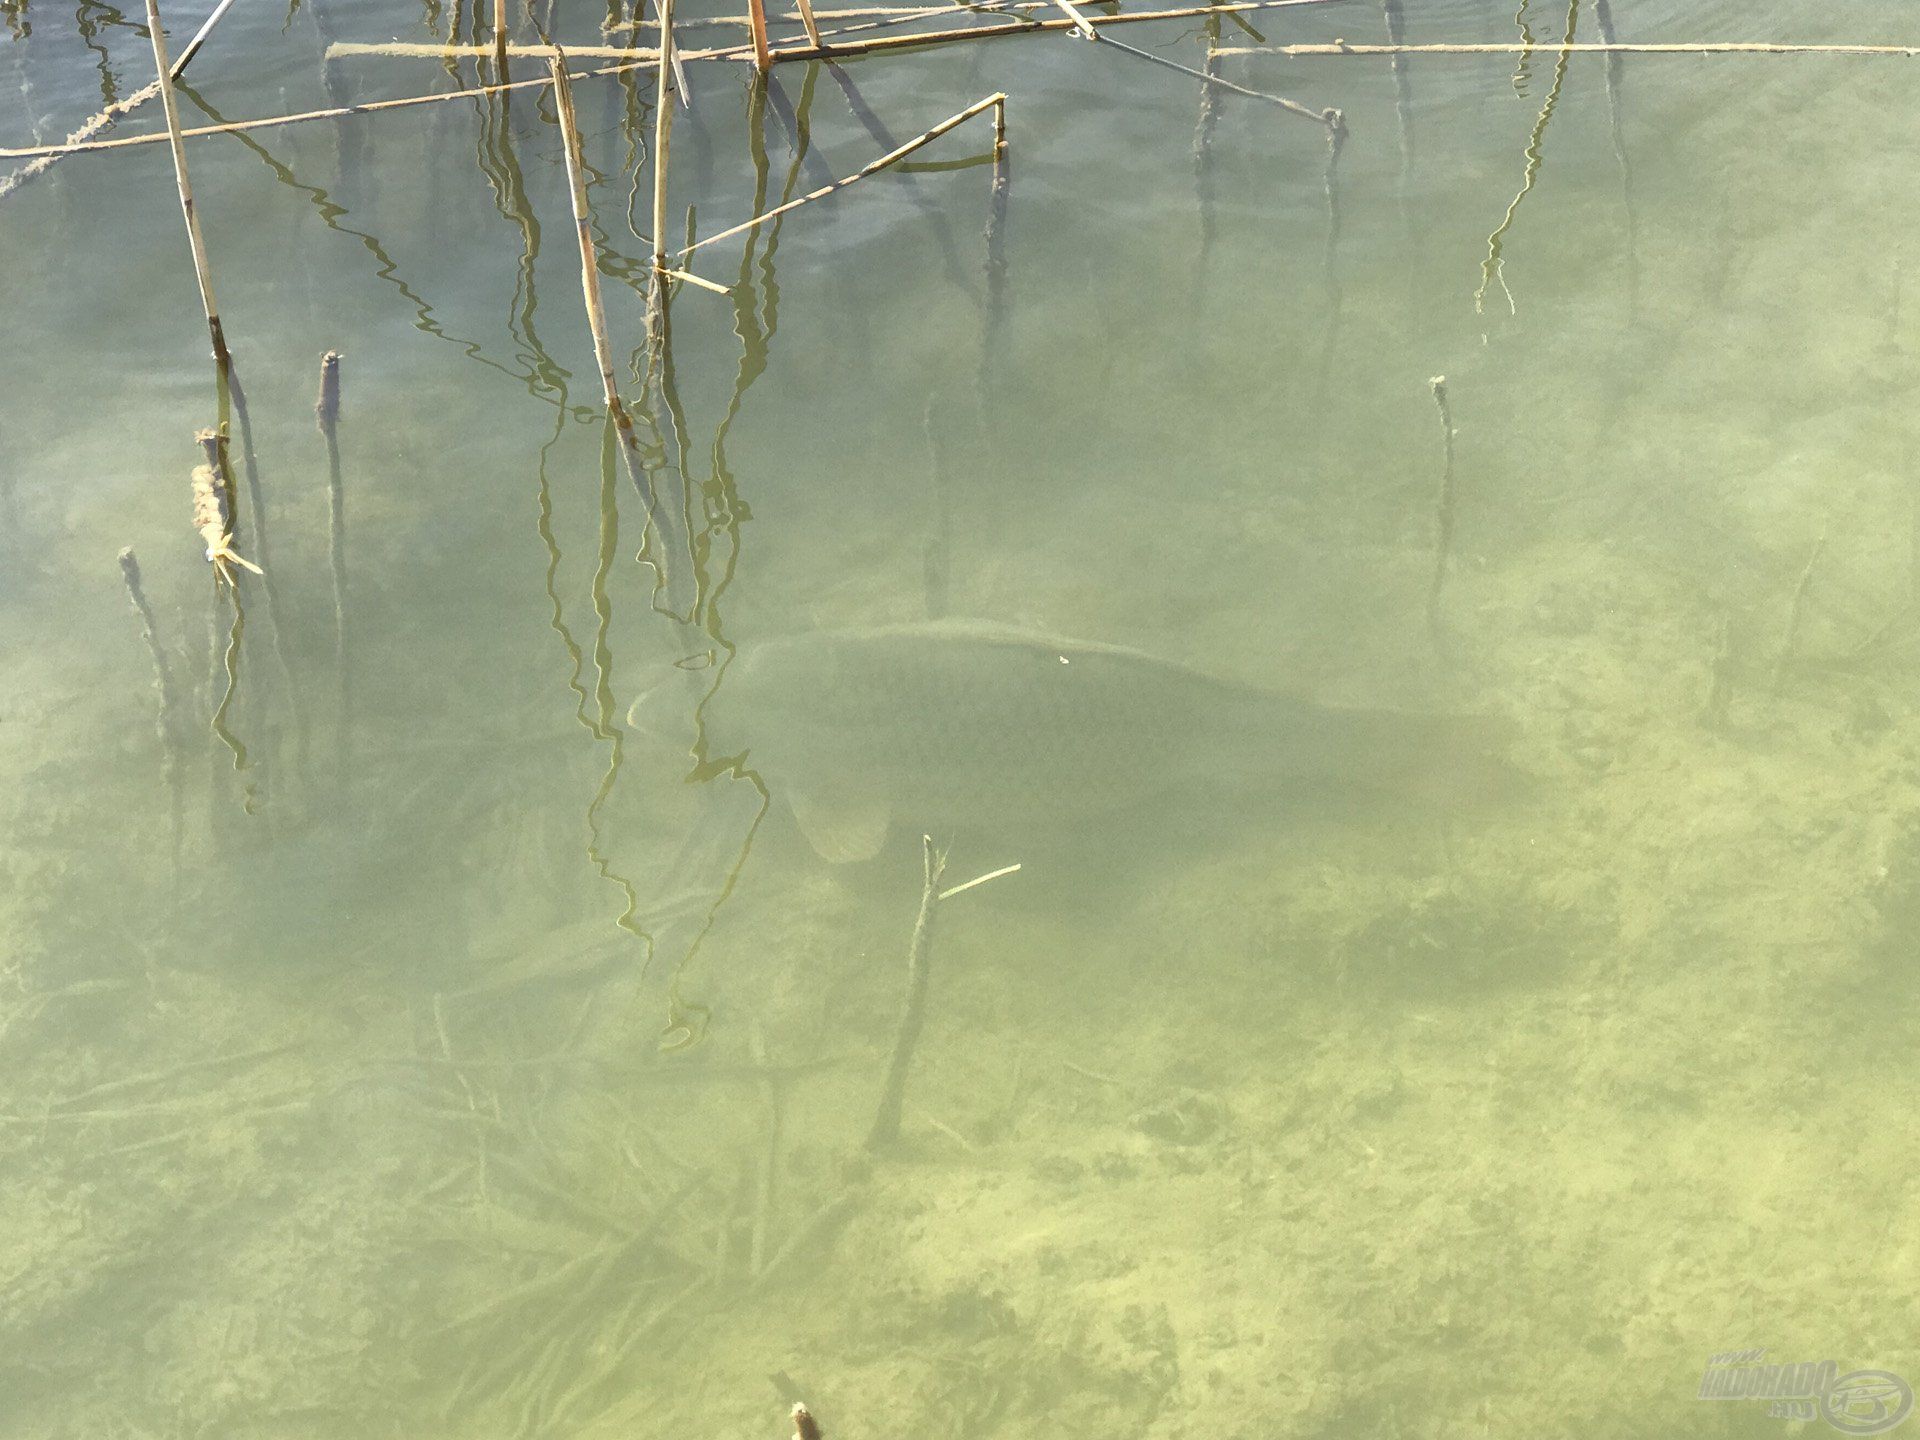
[[961, 724]]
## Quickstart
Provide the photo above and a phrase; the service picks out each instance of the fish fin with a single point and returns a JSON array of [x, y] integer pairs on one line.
[[841, 831]]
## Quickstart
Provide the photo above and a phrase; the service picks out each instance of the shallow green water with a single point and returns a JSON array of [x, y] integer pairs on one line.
[[392, 1041]]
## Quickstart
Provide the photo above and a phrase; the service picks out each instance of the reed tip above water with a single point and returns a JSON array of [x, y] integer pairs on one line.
[[805, 1427], [327, 405]]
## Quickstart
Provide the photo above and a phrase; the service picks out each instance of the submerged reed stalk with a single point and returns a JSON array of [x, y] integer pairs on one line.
[[1443, 511], [213, 507], [326, 410], [1797, 612], [172, 106], [167, 715], [913, 1014], [150, 633]]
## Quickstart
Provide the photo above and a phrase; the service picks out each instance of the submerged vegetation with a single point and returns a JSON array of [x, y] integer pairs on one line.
[[592, 903]]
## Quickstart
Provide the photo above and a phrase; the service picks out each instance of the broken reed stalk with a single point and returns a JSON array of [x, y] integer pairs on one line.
[[996, 102], [632, 60], [1329, 118], [1443, 511], [913, 1014], [805, 1427], [326, 411], [113, 112], [1739, 47], [172, 106], [213, 506], [662, 133]]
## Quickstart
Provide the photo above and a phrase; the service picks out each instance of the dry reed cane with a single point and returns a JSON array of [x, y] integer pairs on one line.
[[171, 104], [662, 133], [757, 26]]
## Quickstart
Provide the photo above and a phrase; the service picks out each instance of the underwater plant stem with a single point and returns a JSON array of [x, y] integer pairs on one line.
[[913, 1014], [202, 272], [326, 411]]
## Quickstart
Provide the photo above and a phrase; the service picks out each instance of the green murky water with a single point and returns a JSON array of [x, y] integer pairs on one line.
[[394, 1042]]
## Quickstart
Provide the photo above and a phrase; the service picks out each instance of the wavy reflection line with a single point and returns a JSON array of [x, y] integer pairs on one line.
[[755, 324], [226, 666], [604, 707], [1523, 71], [1615, 66], [1493, 267], [88, 28], [1394, 13], [331, 213]]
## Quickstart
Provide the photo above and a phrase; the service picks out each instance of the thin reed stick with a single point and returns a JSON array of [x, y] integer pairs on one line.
[[1443, 511], [583, 225], [172, 106], [662, 133], [757, 25], [1732, 47], [1328, 118], [913, 1014], [635, 59], [995, 102]]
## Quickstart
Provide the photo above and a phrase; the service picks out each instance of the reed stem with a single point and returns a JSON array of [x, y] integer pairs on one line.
[[171, 104], [662, 134], [757, 25], [583, 223]]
